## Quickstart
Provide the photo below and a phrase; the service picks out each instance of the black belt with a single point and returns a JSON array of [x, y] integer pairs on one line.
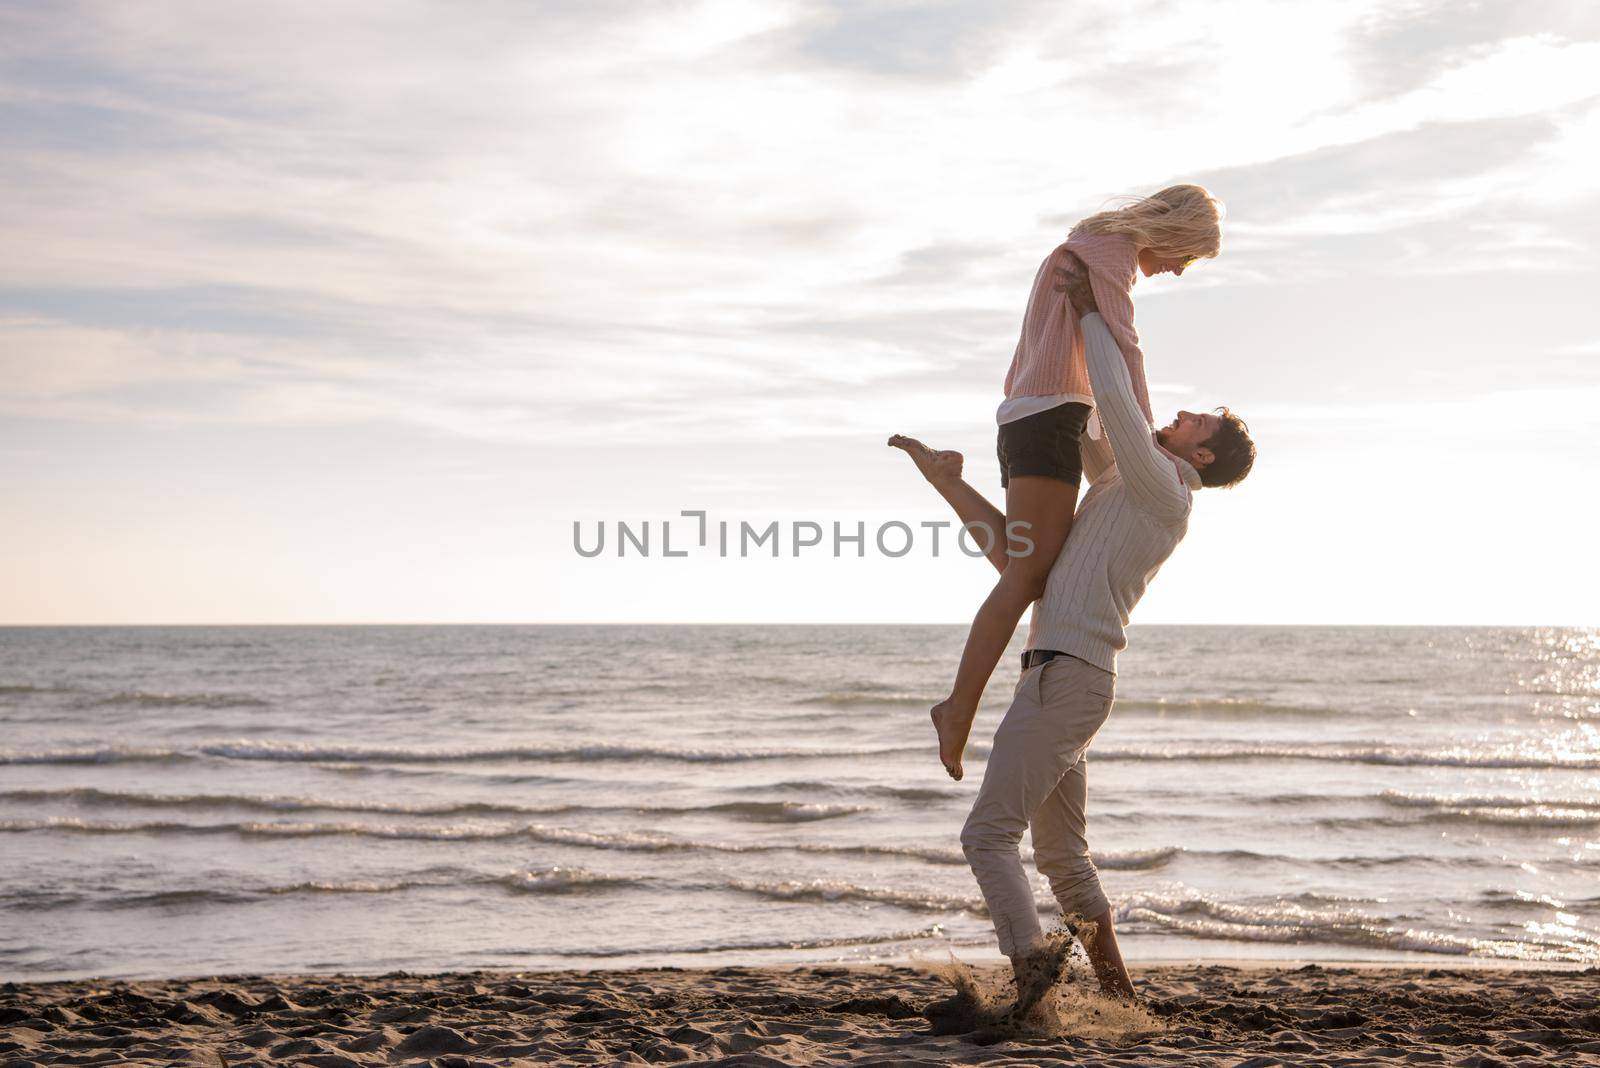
[[1034, 657]]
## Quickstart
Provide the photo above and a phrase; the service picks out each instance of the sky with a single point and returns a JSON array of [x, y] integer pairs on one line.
[[350, 313]]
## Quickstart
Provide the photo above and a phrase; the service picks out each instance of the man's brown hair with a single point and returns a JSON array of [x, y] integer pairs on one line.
[[1233, 451]]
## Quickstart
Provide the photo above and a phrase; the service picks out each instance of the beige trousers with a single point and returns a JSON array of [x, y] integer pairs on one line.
[[1035, 779]]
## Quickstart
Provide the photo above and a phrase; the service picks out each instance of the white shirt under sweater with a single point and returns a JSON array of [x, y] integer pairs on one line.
[[1134, 515]]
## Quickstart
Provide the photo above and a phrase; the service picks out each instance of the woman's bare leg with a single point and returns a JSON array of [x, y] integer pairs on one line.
[[1107, 958], [942, 469], [1046, 505]]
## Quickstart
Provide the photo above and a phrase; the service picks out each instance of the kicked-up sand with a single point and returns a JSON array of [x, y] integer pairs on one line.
[[1188, 1015]]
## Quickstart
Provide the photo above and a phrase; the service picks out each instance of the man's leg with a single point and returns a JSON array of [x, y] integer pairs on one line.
[[1061, 852], [1050, 721]]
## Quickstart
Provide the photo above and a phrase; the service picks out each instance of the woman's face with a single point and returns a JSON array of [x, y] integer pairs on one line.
[[1153, 263]]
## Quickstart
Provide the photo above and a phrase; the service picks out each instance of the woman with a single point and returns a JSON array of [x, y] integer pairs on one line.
[[1047, 406]]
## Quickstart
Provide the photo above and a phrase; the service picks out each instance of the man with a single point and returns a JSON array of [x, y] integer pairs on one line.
[[1134, 515]]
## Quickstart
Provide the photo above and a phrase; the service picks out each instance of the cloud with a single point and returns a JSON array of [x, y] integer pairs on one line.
[[1409, 44], [1377, 171], [665, 219], [949, 40], [947, 264], [206, 309]]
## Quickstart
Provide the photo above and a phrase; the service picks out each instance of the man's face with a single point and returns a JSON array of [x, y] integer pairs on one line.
[[1187, 434]]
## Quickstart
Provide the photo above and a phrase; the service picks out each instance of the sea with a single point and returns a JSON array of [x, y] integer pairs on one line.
[[182, 801]]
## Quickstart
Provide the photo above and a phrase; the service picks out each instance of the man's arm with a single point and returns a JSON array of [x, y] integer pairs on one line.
[[1073, 280], [1152, 480], [1152, 483], [1116, 308]]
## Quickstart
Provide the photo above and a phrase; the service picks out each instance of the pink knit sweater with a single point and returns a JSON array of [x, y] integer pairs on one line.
[[1049, 357]]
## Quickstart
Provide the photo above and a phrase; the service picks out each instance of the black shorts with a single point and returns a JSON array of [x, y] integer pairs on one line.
[[1044, 443]]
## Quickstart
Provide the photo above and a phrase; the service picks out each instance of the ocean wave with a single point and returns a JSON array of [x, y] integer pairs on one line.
[[1160, 857], [1138, 859], [105, 754], [624, 841], [835, 891], [1225, 708], [1533, 817], [858, 698], [913, 793], [1248, 794], [1406, 799], [23, 689], [216, 896], [1522, 899], [751, 811], [770, 811], [898, 793], [631, 842], [1198, 707], [564, 881], [550, 881], [649, 842], [73, 825], [555, 880], [1497, 810], [838, 891], [141, 699], [1286, 922], [86, 795], [654, 843], [1280, 913], [934, 931], [1384, 755], [294, 752], [1506, 810]]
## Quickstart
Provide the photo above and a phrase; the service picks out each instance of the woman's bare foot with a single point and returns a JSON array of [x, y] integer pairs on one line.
[[935, 466], [952, 727]]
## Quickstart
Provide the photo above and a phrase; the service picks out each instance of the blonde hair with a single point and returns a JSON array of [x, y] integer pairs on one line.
[[1181, 220]]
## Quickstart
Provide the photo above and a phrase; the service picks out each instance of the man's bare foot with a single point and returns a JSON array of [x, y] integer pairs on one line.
[[1037, 972], [935, 466], [1044, 1018], [952, 725]]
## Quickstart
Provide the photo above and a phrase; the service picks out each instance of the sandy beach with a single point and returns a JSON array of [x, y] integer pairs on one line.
[[1191, 1015]]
